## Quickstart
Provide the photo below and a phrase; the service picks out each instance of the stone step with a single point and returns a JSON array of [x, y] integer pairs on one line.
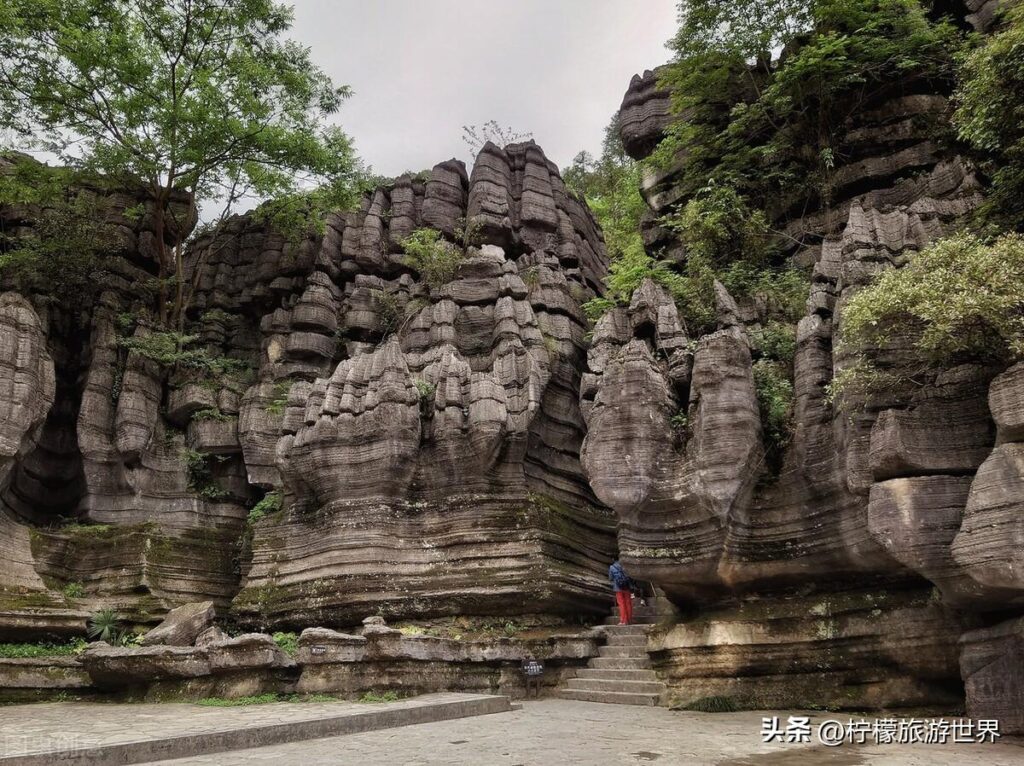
[[637, 613], [619, 663], [605, 685], [624, 652], [638, 620], [627, 639], [615, 698], [637, 609], [625, 630], [632, 674]]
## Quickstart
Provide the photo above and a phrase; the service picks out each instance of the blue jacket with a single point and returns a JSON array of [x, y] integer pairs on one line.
[[613, 570]]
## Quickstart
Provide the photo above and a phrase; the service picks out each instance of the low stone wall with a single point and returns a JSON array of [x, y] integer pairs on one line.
[[383, 658], [25, 679]]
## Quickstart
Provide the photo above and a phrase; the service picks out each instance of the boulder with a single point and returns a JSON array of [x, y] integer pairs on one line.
[[249, 651], [183, 625], [122, 667], [989, 546]]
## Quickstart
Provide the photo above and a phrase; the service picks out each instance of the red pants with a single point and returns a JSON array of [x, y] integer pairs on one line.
[[625, 601]]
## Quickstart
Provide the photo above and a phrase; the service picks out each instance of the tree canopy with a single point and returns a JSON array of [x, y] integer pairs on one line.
[[202, 97], [990, 115]]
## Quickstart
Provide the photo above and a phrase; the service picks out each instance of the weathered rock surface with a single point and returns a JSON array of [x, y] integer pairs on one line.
[[1005, 397], [844, 649], [119, 666], [423, 440], [341, 663], [990, 662], [644, 115], [27, 383], [890, 493], [676, 493], [182, 625], [990, 543]]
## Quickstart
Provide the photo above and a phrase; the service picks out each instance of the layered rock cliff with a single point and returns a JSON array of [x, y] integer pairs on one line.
[[423, 440], [849, 577], [373, 441]]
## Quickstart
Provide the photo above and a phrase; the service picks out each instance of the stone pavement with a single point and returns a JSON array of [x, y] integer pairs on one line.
[[557, 732], [92, 733]]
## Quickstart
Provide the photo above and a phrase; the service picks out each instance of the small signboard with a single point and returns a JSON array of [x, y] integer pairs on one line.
[[318, 649]]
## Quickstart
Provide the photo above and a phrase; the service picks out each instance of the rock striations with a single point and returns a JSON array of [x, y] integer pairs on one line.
[[376, 439], [847, 577], [421, 439]]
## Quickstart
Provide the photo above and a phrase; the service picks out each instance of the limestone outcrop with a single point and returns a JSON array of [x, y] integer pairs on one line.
[[887, 514], [416, 441], [442, 425]]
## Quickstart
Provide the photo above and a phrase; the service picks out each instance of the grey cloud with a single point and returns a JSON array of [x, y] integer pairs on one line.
[[422, 70]]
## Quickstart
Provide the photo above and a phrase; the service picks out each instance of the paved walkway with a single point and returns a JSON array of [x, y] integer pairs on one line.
[[101, 733], [555, 732]]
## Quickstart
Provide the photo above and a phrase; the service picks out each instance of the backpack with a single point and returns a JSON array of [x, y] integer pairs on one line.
[[620, 578]]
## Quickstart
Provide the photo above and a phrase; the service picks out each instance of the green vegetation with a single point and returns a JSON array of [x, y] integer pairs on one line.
[[73, 590], [106, 626], [279, 400], [468, 231], [435, 259], [289, 643], [19, 651], [775, 401], [610, 185], [62, 256], [172, 350], [268, 504], [201, 100], [772, 132], [961, 299], [254, 699], [374, 697], [199, 474], [990, 116], [393, 313], [725, 239], [425, 389], [211, 413], [680, 422]]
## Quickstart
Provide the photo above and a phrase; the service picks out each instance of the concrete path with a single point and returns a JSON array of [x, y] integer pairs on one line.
[[556, 732], [87, 734]]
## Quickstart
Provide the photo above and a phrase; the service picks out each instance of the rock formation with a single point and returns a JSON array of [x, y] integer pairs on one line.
[[893, 521], [375, 440], [422, 439]]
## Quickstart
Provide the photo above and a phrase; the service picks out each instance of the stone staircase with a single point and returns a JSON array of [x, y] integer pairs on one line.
[[621, 674], [658, 608]]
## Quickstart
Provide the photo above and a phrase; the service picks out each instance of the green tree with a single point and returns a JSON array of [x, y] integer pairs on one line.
[[198, 98], [436, 259], [53, 231], [750, 29], [772, 130], [610, 185], [960, 299], [990, 115]]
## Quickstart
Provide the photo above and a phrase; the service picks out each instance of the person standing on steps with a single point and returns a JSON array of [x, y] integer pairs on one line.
[[622, 584]]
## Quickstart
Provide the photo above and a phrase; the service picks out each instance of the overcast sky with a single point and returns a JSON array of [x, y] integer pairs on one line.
[[421, 69]]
